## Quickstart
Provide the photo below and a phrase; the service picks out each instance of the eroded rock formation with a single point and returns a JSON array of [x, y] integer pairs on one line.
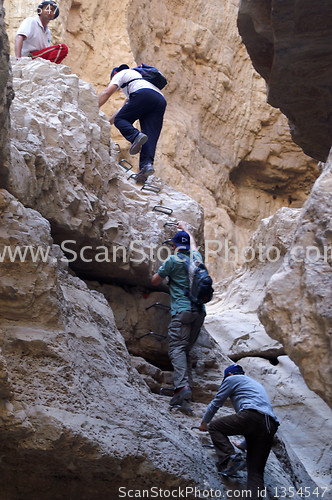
[[62, 165], [289, 45], [75, 415]]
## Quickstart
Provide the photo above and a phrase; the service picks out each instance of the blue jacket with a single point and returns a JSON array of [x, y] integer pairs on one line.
[[244, 393]]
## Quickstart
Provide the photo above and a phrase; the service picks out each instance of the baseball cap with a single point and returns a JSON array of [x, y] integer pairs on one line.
[[182, 239], [119, 68], [234, 370]]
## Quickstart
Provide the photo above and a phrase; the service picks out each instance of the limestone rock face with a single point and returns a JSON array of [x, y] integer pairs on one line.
[[63, 166], [5, 99], [290, 47], [221, 143], [297, 307], [233, 312], [75, 415]]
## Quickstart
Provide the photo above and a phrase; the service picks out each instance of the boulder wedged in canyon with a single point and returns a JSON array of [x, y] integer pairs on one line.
[[297, 306], [289, 45]]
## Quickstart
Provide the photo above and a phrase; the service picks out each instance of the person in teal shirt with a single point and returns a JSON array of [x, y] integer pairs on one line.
[[186, 317]]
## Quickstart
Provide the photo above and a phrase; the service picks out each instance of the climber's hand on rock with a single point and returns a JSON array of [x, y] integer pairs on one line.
[[203, 427]]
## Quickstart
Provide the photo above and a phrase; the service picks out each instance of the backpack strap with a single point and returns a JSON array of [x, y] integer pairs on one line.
[[188, 259], [126, 84]]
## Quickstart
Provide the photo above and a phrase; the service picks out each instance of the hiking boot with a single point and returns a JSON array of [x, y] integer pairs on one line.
[[144, 173], [136, 146], [235, 463], [183, 394], [148, 170]]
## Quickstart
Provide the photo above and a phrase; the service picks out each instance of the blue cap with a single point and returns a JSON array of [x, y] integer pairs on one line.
[[118, 68], [234, 370], [182, 239]]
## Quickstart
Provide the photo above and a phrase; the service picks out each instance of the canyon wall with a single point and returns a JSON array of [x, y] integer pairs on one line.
[[5, 99], [60, 332], [289, 46], [295, 58]]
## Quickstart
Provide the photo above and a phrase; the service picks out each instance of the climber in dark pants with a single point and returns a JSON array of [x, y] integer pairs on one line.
[[146, 103], [148, 106], [254, 419]]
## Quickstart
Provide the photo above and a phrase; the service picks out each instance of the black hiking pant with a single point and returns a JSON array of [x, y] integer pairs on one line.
[[147, 106], [258, 429]]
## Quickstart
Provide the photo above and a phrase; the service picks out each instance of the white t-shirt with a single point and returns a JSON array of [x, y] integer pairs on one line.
[[126, 75], [37, 37]]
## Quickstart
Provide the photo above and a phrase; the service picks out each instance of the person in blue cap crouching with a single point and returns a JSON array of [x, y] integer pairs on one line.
[[254, 419]]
